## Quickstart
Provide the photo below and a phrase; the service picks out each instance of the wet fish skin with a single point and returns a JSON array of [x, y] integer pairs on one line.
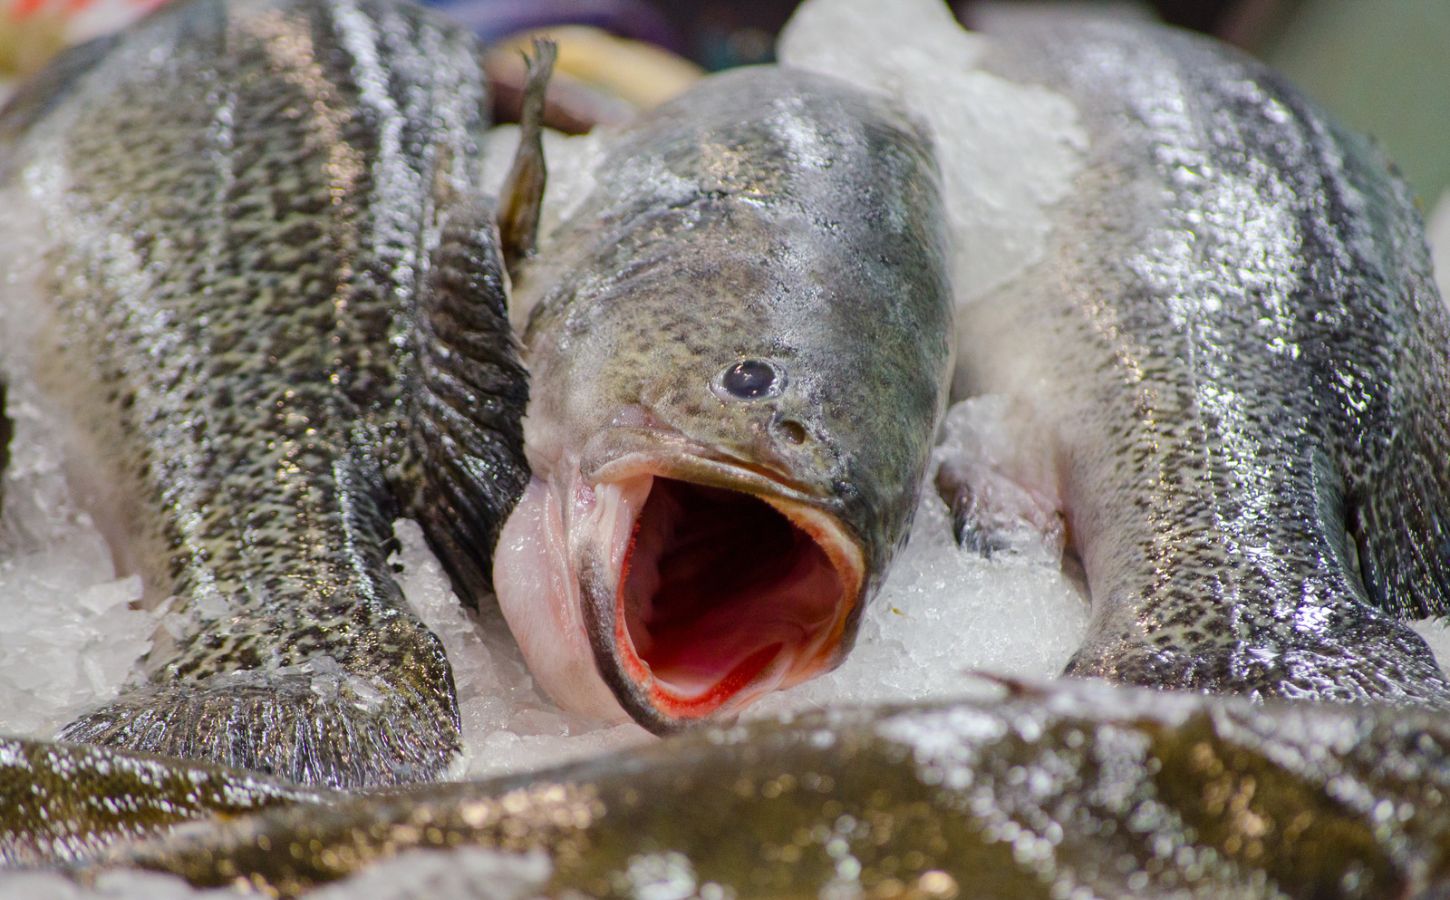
[[275, 307], [1241, 361], [1053, 788], [766, 218], [61, 803]]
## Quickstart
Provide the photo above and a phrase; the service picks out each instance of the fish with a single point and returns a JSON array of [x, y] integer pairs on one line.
[[62, 803], [1070, 787], [262, 279], [738, 354], [1228, 378]]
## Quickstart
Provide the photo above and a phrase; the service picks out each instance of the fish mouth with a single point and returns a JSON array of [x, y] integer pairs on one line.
[[724, 590]]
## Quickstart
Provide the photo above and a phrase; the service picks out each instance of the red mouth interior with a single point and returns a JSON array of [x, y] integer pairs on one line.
[[717, 587]]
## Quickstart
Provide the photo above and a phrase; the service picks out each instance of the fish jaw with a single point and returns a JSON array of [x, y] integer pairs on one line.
[[669, 590]]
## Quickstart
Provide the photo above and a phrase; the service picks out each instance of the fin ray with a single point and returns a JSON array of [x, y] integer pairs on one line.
[[468, 406], [283, 725]]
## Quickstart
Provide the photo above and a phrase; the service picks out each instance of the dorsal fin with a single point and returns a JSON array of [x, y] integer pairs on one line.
[[523, 191]]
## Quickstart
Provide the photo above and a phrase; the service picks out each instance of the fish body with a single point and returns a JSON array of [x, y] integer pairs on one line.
[[738, 355], [1232, 362], [1071, 788], [265, 291], [66, 802]]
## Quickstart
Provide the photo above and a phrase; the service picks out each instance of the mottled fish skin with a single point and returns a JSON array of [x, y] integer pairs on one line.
[[1069, 789], [62, 803], [1236, 362], [275, 307], [766, 217]]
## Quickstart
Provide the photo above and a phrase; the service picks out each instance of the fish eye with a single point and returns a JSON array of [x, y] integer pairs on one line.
[[749, 379]]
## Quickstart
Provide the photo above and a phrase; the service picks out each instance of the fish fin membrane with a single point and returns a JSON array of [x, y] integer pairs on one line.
[[468, 406], [995, 507], [992, 514], [523, 192], [305, 730]]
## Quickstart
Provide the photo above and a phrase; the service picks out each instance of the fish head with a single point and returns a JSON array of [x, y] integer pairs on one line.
[[719, 509], [733, 397]]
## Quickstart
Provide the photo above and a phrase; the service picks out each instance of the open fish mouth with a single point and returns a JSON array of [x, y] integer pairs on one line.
[[716, 595]]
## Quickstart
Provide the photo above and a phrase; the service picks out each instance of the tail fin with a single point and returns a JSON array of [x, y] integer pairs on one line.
[[336, 731]]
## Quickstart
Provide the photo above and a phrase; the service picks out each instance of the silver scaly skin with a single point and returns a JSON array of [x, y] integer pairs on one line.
[[273, 305], [1235, 362], [1070, 789]]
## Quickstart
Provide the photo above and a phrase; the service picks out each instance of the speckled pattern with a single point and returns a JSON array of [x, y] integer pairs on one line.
[[66, 802], [278, 309], [1074, 789], [1241, 362], [768, 215]]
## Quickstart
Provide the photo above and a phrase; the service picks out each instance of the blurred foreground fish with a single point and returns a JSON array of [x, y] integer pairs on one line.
[[738, 355], [247, 257], [1071, 789], [1234, 369]]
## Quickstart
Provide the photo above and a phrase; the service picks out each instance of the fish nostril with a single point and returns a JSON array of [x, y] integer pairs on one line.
[[791, 430]]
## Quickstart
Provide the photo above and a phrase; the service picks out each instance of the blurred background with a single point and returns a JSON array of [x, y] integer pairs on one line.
[[1383, 66]]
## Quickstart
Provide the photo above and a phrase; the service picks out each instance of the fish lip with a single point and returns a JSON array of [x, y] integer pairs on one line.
[[631, 451], [804, 508]]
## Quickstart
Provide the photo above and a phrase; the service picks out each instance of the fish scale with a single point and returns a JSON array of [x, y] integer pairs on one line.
[[262, 208], [1237, 366], [1066, 789]]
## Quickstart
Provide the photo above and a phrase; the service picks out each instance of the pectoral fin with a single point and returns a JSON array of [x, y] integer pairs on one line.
[[467, 465], [997, 503]]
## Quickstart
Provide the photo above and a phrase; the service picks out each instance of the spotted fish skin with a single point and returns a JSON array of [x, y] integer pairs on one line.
[[274, 306], [683, 548], [1065, 789], [67, 802], [1241, 359]]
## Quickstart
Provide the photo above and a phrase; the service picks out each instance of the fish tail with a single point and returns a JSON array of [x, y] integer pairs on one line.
[[336, 732], [327, 716]]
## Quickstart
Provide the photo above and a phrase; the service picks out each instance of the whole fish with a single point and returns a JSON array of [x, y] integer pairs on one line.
[[738, 356], [1234, 366], [267, 293], [1071, 789]]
